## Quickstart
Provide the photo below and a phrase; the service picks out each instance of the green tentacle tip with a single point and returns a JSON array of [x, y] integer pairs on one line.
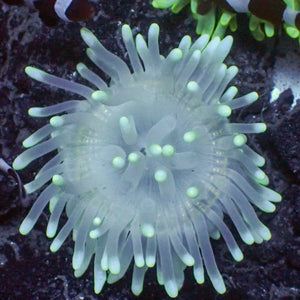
[[160, 175], [57, 121], [133, 157], [239, 140], [99, 96], [26, 226], [168, 150], [118, 162], [147, 230], [192, 192], [190, 136], [224, 110], [58, 180], [155, 149], [19, 163]]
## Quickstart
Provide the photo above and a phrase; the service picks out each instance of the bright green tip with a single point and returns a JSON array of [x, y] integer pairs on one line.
[[77, 260], [168, 150], [188, 260], [260, 161], [190, 136], [162, 3], [239, 140], [147, 230], [265, 233], [155, 149], [57, 121], [19, 163], [94, 234], [26, 226], [255, 95], [51, 231], [118, 162], [160, 175], [133, 157], [124, 123], [28, 69], [84, 30], [219, 285], [153, 30], [104, 262], [192, 86], [225, 18], [248, 238], [237, 254], [155, 4], [81, 67], [29, 142], [192, 192], [126, 32], [260, 127], [139, 261], [276, 197], [260, 175], [269, 30], [268, 207], [88, 37], [99, 96], [136, 288], [292, 32], [224, 110], [252, 97], [263, 181], [97, 221], [175, 55], [114, 265], [55, 245], [171, 288], [150, 261], [34, 73], [199, 275], [58, 180], [34, 111]]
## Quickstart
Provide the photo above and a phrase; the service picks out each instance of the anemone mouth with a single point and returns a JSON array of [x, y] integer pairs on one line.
[[166, 150], [148, 164]]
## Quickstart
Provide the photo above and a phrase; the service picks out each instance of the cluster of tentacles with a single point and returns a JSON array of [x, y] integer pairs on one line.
[[215, 16]]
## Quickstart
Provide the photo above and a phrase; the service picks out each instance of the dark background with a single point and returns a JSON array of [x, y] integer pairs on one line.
[[28, 270]]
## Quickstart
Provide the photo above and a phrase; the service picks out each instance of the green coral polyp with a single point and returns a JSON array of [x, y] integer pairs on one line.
[[147, 165]]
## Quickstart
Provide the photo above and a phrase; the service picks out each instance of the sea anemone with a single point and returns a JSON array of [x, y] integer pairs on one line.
[[215, 16], [146, 166]]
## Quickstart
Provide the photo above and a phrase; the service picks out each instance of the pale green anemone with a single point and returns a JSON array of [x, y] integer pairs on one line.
[[146, 166]]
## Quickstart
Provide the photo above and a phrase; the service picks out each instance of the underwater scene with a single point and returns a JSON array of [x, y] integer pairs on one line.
[[150, 149]]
